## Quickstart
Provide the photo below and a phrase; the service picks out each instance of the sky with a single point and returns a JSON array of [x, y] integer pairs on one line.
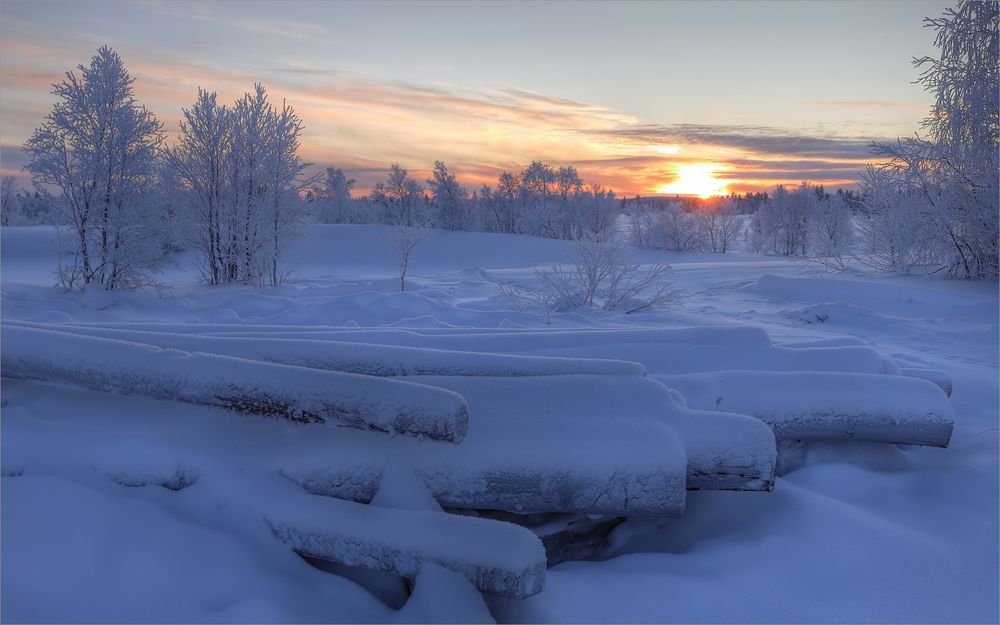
[[642, 97]]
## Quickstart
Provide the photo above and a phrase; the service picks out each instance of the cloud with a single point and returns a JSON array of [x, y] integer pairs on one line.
[[756, 139]]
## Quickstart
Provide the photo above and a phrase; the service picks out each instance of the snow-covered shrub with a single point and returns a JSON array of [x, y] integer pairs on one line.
[[21, 207], [402, 240], [602, 272]]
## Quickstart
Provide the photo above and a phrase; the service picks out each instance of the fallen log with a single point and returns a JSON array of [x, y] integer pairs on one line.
[[300, 394], [723, 451], [565, 536], [361, 358], [499, 558], [664, 351], [942, 379], [726, 451], [574, 444], [827, 406], [571, 444], [456, 338]]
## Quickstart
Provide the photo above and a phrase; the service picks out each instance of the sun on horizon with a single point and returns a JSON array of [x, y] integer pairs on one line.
[[696, 179]]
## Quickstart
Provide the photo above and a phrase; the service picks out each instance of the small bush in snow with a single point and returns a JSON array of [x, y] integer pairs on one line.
[[402, 240], [602, 272]]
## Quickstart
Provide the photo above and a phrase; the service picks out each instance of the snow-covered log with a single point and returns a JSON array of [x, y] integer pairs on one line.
[[365, 359], [661, 350], [722, 451], [827, 405], [499, 558], [457, 337], [297, 393], [940, 378], [668, 351], [565, 536], [575, 444], [726, 451]]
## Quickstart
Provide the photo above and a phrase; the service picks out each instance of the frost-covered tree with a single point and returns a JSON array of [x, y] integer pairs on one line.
[[669, 227], [502, 205], [335, 198], [895, 234], [31, 208], [679, 228], [285, 178], [831, 232], [100, 147], [200, 160], [8, 199], [949, 176], [781, 225], [568, 182], [242, 173], [400, 198], [546, 201], [719, 225], [449, 199]]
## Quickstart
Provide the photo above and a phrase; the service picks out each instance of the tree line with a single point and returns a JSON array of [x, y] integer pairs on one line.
[[235, 188]]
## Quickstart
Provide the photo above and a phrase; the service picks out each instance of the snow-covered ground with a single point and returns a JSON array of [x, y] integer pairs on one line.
[[858, 533]]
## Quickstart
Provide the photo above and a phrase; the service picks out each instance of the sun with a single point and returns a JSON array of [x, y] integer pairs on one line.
[[696, 179]]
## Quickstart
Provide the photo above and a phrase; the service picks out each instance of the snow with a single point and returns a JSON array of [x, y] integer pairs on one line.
[[301, 394], [826, 406], [678, 350], [366, 359], [130, 508], [499, 558], [590, 444], [441, 596]]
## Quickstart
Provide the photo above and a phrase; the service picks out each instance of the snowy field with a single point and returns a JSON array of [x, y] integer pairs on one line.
[[132, 509]]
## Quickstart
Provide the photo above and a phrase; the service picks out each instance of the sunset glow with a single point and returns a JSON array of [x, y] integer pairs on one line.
[[696, 179], [480, 116]]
